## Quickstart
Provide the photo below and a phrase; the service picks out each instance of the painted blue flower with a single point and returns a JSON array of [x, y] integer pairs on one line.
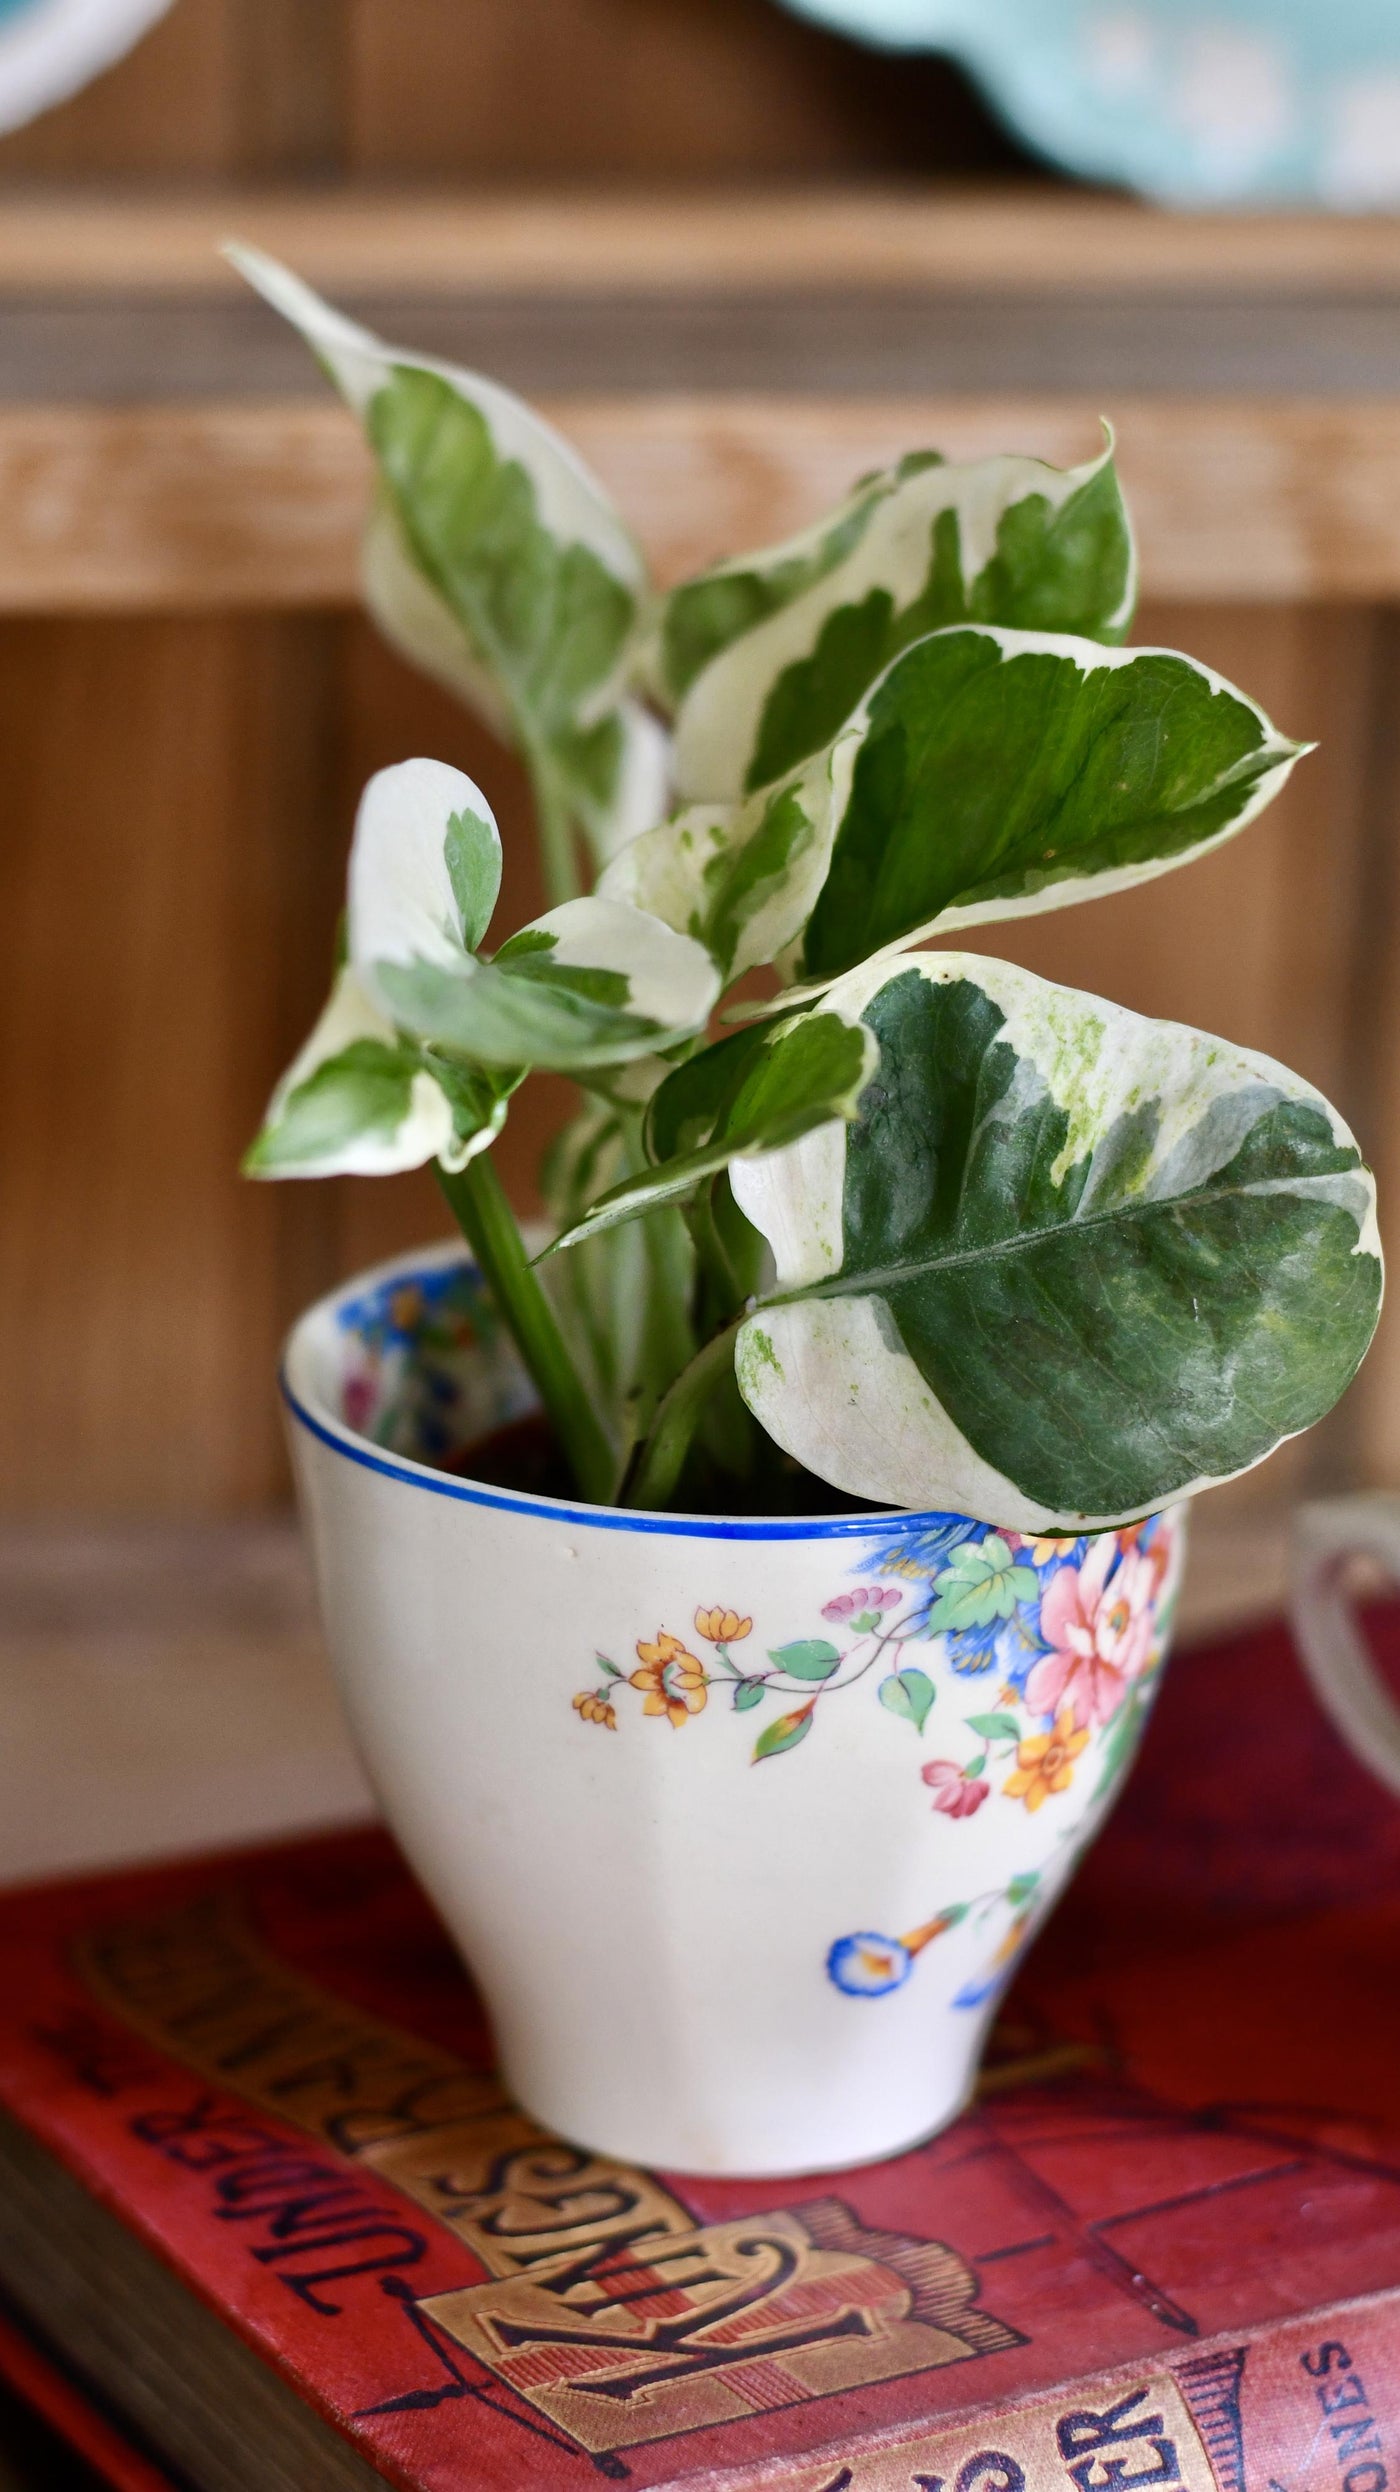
[[395, 1315], [867, 1966], [923, 1553], [977, 1993]]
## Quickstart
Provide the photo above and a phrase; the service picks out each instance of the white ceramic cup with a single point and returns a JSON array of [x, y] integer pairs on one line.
[[1330, 1537], [741, 1825]]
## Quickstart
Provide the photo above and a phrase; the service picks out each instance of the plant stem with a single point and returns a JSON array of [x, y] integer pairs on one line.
[[663, 1455], [487, 1222], [558, 849]]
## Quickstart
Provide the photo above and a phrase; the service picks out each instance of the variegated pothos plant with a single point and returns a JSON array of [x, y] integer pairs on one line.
[[946, 1235]]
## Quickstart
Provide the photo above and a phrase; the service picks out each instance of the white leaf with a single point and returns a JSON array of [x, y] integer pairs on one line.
[[402, 907]]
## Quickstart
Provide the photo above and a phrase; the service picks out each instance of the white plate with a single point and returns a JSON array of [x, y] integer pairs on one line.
[[49, 48]]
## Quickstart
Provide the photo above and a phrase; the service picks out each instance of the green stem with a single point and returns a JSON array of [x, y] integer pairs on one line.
[[487, 1222], [558, 847], [663, 1456]]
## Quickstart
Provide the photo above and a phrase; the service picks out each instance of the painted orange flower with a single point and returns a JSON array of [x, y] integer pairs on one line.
[[671, 1679], [721, 1626], [595, 1708], [1046, 1764]]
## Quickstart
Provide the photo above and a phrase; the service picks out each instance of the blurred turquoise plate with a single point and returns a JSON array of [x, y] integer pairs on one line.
[[49, 48], [1243, 101]]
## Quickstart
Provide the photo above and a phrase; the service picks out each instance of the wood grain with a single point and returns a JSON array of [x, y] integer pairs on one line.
[[162, 877], [675, 89], [920, 236], [219, 507]]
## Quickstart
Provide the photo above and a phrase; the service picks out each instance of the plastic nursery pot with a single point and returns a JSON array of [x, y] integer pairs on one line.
[[740, 1825]]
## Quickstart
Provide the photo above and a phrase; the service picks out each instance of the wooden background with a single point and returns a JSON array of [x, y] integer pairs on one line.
[[189, 703]]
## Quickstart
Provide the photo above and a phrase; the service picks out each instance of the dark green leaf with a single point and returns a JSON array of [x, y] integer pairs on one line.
[[990, 774], [753, 1092]]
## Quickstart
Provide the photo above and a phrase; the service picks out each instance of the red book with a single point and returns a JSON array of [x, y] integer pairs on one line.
[[261, 2196]]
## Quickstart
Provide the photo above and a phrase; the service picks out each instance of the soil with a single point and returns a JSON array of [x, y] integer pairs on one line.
[[525, 1457]]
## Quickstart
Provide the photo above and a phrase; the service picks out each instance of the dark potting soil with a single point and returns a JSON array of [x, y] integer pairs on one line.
[[525, 1457]]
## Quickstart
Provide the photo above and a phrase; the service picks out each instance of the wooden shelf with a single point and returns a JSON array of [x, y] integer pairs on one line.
[[1014, 240], [729, 363], [224, 506]]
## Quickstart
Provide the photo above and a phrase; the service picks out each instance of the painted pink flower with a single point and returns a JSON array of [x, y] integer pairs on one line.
[[867, 1602], [357, 1400], [954, 1792], [1100, 1627]]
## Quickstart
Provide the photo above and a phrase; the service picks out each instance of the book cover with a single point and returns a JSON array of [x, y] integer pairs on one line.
[[1163, 2249]]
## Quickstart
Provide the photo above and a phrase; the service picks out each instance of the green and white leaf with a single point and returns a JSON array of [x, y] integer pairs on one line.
[[766, 656], [591, 983], [743, 879], [495, 560], [989, 774], [359, 1101], [736, 1099], [1068, 1265], [588, 985], [425, 869]]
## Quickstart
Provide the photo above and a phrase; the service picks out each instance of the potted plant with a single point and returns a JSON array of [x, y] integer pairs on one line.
[[745, 1712]]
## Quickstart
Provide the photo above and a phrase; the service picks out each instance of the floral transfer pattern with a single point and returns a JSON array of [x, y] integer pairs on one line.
[[1068, 1636], [433, 1370]]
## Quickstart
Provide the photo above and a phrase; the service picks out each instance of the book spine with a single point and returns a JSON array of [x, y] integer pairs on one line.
[[1308, 2405]]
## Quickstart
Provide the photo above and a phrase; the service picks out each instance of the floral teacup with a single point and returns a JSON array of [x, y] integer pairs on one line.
[[741, 1825]]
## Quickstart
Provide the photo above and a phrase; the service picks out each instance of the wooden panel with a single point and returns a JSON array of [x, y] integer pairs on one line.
[[528, 88], [218, 507], [916, 235], [166, 109], [535, 89], [168, 895]]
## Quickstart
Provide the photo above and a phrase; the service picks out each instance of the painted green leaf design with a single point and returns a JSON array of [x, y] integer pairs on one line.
[[983, 1582], [741, 1098], [747, 1694], [988, 774], [1068, 1264], [809, 1658], [994, 1726], [768, 655], [785, 1733], [497, 562], [910, 1694], [1023, 1887]]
